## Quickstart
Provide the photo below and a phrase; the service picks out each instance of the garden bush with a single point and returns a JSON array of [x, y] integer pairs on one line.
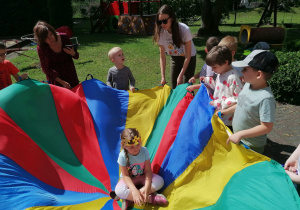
[[286, 82], [292, 46]]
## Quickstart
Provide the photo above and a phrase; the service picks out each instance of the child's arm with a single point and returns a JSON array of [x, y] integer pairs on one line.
[[227, 111], [193, 78], [193, 87], [148, 180], [294, 177], [109, 79], [292, 160], [263, 128], [17, 77], [136, 195], [132, 81]]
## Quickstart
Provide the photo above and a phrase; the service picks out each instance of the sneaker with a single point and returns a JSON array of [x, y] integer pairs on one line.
[[126, 204], [159, 199]]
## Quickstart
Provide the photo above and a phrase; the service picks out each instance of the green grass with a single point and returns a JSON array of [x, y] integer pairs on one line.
[[142, 56]]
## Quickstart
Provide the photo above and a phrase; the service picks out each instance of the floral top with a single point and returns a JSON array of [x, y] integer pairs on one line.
[[171, 49], [228, 87]]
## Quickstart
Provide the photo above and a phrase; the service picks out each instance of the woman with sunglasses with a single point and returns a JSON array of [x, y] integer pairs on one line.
[[175, 39]]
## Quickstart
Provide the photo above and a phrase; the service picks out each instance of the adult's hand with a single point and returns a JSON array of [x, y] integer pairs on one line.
[[66, 85], [180, 79], [192, 80], [70, 51], [163, 81]]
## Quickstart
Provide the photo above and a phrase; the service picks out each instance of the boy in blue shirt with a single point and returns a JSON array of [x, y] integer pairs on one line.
[[254, 113]]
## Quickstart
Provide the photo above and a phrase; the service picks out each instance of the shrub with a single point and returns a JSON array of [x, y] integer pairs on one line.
[[286, 82], [292, 46]]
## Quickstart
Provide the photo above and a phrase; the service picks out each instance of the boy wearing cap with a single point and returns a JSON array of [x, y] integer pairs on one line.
[[254, 113]]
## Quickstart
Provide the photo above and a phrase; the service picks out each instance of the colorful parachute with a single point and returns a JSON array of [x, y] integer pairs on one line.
[[59, 150]]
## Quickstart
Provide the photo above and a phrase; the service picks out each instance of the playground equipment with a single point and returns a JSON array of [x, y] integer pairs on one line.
[[274, 36], [271, 35], [125, 17]]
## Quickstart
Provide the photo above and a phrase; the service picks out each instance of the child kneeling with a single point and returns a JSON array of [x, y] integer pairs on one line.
[[134, 161]]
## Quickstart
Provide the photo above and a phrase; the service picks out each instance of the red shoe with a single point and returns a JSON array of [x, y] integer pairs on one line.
[[126, 204], [159, 199]]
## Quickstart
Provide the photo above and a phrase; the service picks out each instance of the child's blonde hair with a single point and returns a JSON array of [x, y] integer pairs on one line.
[[113, 51], [128, 135], [230, 42]]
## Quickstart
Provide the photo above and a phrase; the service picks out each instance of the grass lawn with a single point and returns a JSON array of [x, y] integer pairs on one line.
[[142, 56]]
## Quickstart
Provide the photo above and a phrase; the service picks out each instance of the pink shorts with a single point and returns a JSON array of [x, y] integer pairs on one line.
[[123, 191]]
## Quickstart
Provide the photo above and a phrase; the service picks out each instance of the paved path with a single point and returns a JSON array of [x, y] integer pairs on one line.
[[285, 136]]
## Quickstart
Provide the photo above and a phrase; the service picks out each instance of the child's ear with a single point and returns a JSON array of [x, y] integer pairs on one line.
[[232, 53], [260, 74]]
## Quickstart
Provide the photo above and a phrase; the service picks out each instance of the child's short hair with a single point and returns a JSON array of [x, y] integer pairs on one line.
[[230, 42], [211, 42], [218, 55], [2, 46], [112, 52], [261, 60]]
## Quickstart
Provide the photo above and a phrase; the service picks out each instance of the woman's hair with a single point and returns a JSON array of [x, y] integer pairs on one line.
[[176, 37], [129, 134], [218, 55], [40, 31], [211, 42]]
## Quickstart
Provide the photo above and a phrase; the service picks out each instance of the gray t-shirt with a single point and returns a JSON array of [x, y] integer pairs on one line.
[[119, 78], [253, 107], [137, 162]]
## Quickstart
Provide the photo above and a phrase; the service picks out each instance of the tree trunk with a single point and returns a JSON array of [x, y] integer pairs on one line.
[[211, 17]]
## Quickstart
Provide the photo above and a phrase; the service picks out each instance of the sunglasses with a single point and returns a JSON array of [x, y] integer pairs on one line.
[[165, 21]]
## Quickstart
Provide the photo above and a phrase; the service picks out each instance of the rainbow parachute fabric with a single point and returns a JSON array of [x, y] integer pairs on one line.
[[59, 150]]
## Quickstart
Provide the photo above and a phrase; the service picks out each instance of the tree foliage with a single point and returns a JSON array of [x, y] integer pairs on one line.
[[60, 13], [19, 17]]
